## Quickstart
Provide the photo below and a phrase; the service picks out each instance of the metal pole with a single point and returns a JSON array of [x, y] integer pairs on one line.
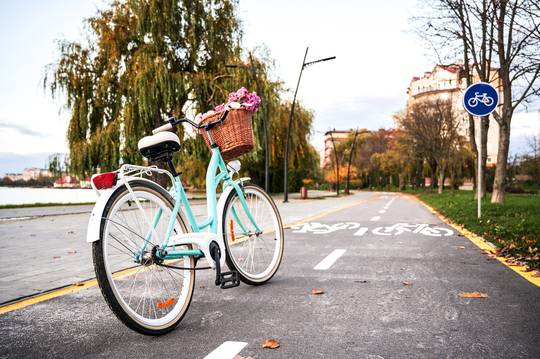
[[347, 188], [480, 178], [264, 119], [336, 160], [287, 143]]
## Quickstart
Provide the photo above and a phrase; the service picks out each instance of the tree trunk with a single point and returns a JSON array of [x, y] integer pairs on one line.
[[502, 155], [433, 167], [441, 180], [418, 175], [484, 122]]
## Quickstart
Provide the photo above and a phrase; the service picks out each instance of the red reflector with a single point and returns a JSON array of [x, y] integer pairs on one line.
[[104, 180]]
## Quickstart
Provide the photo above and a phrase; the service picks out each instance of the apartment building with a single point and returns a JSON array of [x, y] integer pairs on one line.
[[339, 136], [447, 82]]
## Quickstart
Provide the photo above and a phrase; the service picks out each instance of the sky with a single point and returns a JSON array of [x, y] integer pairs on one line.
[[376, 56]]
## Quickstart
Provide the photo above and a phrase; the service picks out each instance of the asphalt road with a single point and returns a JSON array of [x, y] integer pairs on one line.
[[391, 273]]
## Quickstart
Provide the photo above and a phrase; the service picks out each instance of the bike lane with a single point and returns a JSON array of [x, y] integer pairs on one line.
[[384, 296]]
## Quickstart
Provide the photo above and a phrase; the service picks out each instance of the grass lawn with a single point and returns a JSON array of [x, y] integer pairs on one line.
[[514, 227]]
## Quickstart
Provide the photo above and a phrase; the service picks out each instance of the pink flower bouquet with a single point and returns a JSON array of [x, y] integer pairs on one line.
[[249, 101]]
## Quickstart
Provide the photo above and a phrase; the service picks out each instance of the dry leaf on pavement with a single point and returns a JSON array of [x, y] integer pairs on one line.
[[407, 283], [535, 274], [461, 247], [270, 344], [78, 284], [317, 291], [473, 295]]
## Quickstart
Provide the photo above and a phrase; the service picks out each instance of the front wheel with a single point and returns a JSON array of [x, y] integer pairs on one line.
[[253, 235]]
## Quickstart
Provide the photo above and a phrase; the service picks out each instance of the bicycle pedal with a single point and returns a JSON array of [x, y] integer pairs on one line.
[[229, 280]]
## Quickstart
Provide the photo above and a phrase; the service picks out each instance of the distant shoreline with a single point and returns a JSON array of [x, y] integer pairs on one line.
[[16, 196]]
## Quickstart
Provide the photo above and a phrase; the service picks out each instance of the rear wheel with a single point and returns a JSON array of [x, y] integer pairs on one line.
[[145, 295], [254, 254]]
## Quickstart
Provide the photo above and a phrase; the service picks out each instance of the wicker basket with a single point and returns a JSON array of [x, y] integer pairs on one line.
[[234, 136]]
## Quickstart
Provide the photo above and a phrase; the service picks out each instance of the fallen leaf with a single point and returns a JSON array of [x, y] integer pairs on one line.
[[317, 291], [473, 295], [72, 251], [407, 283], [78, 284], [270, 344], [461, 247], [527, 269], [535, 274], [56, 257]]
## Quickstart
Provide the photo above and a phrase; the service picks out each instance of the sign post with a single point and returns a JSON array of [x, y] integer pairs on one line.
[[480, 99]]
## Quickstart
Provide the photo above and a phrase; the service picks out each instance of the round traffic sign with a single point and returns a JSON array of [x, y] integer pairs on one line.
[[480, 99]]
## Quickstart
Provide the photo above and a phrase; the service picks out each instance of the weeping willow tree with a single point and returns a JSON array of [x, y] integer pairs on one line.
[[144, 60]]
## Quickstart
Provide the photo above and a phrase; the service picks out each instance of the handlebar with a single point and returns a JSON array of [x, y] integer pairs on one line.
[[173, 122]]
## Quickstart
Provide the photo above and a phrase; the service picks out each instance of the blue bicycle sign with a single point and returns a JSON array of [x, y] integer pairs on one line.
[[480, 99]]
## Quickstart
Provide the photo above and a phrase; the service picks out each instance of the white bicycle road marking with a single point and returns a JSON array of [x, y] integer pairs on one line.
[[330, 259], [320, 228], [424, 229], [393, 230], [375, 218], [227, 350]]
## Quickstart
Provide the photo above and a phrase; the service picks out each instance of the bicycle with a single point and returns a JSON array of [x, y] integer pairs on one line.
[[480, 98], [145, 250]]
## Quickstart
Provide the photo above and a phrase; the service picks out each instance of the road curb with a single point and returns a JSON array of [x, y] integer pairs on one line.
[[478, 241]]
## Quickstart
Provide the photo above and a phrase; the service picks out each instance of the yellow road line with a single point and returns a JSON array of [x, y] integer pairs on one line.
[[93, 282], [479, 242], [49, 295]]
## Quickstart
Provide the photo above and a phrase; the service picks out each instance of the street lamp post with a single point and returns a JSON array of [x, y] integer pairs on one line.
[[291, 115]]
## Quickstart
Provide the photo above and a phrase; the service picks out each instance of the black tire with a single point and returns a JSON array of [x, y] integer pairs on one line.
[[101, 270], [230, 260]]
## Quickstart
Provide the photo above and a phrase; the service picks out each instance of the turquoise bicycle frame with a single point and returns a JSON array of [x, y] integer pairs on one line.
[[215, 174]]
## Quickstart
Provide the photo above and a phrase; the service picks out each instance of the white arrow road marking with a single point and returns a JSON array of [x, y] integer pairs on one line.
[[376, 218], [330, 259], [226, 350], [361, 231]]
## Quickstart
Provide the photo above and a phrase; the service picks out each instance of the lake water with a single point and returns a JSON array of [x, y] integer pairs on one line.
[[24, 195]]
